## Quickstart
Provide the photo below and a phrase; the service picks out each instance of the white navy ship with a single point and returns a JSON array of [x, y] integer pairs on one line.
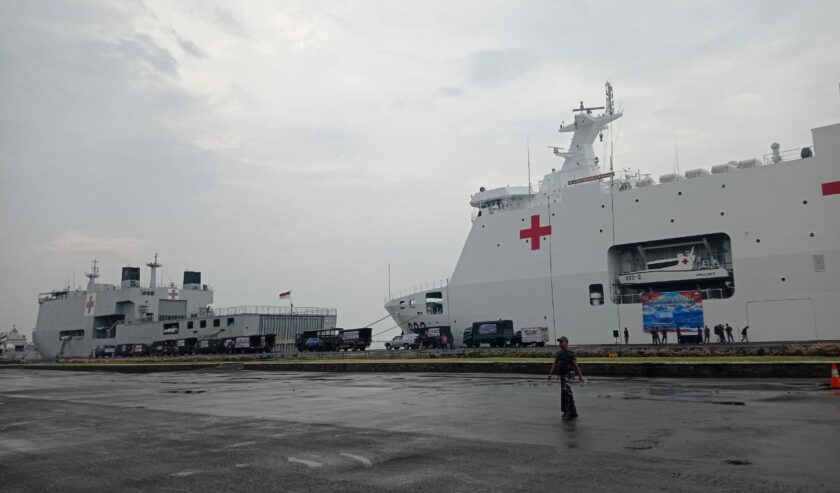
[[14, 347], [135, 320], [752, 242]]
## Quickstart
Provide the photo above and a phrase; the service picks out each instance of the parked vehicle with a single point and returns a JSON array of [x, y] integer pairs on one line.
[[435, 337], [334, 340], [495, 333], [354, 339], [404, 341], [530, 336]]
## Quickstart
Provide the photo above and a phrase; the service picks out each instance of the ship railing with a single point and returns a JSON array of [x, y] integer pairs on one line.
[[501, 205], [273, 310], [420, 288], [706, 294], [788, 155]]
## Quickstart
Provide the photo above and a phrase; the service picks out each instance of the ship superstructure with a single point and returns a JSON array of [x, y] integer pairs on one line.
[[757, 239], [81, 322]]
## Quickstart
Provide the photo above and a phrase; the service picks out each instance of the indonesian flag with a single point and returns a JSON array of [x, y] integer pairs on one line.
[[285, 295]]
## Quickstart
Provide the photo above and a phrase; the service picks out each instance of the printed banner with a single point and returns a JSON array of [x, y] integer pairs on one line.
[[672, 310]]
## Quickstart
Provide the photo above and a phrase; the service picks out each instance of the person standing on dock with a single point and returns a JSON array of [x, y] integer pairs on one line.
[[664, 336], [729, 337], [566, 365], [706, 334], [626, 336], [744, 337]]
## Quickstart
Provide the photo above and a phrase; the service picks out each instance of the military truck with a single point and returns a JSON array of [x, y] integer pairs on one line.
[[495, 333]]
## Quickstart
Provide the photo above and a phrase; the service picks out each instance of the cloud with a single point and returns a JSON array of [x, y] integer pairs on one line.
[[81, 242], [494, 67]]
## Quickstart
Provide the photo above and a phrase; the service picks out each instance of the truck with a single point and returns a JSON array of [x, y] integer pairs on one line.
[[435, 337], [354, 339], [496, 333], [318, 340], [530, 336]]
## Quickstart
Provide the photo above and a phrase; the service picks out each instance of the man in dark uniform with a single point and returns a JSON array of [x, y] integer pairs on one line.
[[566, 365], [706, 334], [626, 336], [729, 337]]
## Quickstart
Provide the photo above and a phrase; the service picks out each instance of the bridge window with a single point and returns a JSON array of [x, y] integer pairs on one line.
[[171, 328], [217, 322], [402, 305], [412, 303], [202, 323], [230, 321], [434, 303], [190, 324], [596, 294]]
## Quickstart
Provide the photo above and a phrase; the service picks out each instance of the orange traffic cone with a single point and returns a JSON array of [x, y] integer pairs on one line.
[[835, 378]]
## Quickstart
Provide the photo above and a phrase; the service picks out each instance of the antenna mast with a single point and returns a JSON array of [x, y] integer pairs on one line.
[[153, 266], [610, 109], [93, 274], [528, 145]]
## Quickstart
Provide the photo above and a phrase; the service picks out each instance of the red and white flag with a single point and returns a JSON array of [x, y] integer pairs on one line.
[[285, 295]]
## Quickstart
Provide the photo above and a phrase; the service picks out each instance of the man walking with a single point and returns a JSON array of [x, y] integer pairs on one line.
[[566, 365], [744, 337]]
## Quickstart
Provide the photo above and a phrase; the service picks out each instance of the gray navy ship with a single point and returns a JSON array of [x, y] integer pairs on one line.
[[136, 320]]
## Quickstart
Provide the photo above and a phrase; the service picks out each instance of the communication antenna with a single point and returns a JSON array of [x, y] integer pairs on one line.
[[676, 155], [528, 145]]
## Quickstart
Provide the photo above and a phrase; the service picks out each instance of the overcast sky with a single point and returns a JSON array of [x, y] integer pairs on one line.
[[306, 145]]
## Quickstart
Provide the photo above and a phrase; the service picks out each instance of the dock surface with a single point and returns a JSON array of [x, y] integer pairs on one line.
[[227, 429]]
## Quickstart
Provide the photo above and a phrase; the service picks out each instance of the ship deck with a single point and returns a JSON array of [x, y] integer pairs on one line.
[[294, 431]]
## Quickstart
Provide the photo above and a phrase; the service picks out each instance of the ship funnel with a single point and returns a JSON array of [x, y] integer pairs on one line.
[[130, 277], [192, 279]]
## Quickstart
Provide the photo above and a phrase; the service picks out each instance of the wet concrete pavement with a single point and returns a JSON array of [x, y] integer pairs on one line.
[[258, 431]]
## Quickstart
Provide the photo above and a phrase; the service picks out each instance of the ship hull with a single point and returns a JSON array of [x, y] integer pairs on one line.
[[781, 236]]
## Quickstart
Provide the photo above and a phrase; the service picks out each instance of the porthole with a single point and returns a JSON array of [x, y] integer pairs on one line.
[[672, 220], [498, 245], [723, 185], [804, 202], [602, 206], [523, 219], [721, 213], [783, 279], [811, 235], [637, 201], [679, 193], [758, 240], [552, 214], [482, 225], [600, 230]]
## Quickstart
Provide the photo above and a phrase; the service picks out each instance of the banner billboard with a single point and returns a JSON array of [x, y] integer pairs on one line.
[[672, 310]]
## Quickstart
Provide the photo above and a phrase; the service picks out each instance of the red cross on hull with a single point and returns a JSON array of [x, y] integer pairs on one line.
[[535, 232]]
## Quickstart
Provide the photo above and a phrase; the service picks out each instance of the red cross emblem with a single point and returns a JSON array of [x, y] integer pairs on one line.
[[89, 305], [684, 260], [173, 294], [535, 232]]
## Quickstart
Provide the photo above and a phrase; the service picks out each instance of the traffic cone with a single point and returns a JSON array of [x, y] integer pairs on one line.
[[835, 377]]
